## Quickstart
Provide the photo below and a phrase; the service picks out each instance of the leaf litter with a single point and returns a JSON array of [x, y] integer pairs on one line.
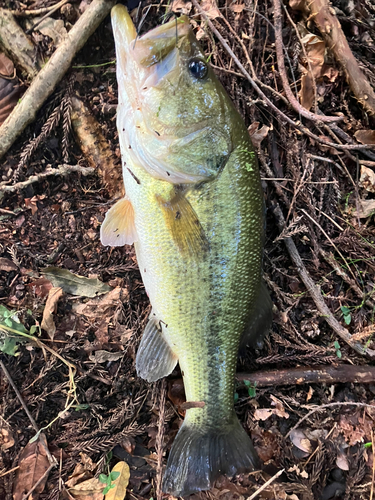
[[55, 224]]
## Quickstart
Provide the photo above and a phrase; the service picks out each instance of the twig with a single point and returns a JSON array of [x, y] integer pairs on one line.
[[17, 45], [61, 170], [282, 71], [51, 459], [322, 407], [329, 26], [159, 439], [373, 466], [269, 103], [267, 483], [315, 292], [323, 374], [27, 495], [50, 75], [47, 14], [18, 394]]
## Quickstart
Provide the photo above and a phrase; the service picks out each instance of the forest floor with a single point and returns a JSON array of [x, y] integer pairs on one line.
[[77, 377]]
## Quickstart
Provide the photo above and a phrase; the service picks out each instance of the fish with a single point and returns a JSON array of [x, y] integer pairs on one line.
[[194, 209]]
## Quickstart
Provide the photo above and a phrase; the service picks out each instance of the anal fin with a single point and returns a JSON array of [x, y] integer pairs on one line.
[[118, 228], [260, 320], [155, 358]]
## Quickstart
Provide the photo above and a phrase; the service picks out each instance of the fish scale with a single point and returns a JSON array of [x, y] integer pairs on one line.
[[194, 210]]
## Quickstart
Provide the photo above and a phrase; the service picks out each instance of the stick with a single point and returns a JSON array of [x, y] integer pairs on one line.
[[324, 374], [267, 483], [61, 170], [322, 407], [269, 103], [27, 495], [329, 26], [315, 292], [282, 71], [47, 79], [159, 439], [17, 45]]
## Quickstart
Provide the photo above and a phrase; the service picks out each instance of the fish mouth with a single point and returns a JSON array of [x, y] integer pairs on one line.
[[153, 46]]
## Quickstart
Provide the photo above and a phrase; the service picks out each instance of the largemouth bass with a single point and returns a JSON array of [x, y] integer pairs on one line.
[[194, 211]]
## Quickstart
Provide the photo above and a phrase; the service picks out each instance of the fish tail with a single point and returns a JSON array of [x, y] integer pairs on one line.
[[200, 455]]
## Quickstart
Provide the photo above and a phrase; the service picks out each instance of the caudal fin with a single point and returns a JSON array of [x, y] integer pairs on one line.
[[199, 456]]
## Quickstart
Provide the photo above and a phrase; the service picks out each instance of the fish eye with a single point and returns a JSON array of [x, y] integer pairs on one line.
[[198, 68]]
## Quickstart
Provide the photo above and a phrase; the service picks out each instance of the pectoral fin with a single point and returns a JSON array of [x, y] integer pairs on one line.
[[118, 228], [184, 225], [155, 358], [260, 320]]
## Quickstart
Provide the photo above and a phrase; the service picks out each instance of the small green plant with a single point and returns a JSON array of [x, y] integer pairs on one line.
[[336, 345], [251, 388], [108, 479], [367, 445], [346, 314]]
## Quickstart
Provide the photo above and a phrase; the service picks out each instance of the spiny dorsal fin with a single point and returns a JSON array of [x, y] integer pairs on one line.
[[155, 358], [118, 228], [184, 225]]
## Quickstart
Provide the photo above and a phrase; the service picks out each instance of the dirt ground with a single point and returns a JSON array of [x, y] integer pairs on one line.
[[78, 381]]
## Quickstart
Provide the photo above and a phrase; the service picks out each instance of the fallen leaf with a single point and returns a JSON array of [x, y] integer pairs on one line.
[[10, 90], [41, 287], [342, 461], [120, 484], [237, 8], [258, 134], [366, 209], [103, 305], [33, 464], [50, 308], [32, 203], [54, 28], [7, 265], [82, 471], [74, 284], [300, 441], [6, 439], [210, 8], [279, 410], [365, 136], [263, 413], [367, 180], [180, 6], [91, 489], [102, 356]]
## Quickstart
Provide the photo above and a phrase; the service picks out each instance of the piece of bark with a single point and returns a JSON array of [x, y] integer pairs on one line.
[[95, 147], [315, 375], [17, 45], [326, 21], [50, 75]]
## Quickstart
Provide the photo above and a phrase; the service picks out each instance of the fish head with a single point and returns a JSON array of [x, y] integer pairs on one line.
[[174, 115]]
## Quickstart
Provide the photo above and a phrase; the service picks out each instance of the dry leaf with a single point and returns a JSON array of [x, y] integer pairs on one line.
[[366, 209], [54, 28], [50, 308], [91, 489], [211, 9], [342, 461], [365, 136], [367, 179], [82, 471], [180, 6], [32, 203], [104, 356], [33, 463], [10, 90], [237, 8], [6, 439], [300, 441], [41, 287], [121, 483], [263, 413], [7, 265], [257, 134], [104, 305], [280, 410]]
